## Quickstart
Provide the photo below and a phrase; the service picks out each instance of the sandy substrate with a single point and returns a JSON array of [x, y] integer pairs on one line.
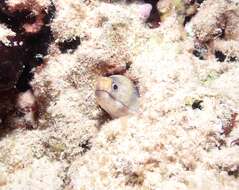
[[184, 134]]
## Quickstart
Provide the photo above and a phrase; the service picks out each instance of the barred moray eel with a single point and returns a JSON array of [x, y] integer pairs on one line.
[[117, 95]]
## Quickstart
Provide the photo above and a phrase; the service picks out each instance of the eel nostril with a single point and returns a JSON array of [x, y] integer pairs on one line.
[[115, 87]]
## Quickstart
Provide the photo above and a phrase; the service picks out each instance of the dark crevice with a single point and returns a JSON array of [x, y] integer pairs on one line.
[[11, 64], [154, 17], [69, 45], [198, 54], [25, 51], [197, 104], [187, 19], [222, 35], [196, 1], [199, 1], [234, 173], [36, 47], [220, 56], [86, 146], [14, 20], [233, 59], [200, 50]]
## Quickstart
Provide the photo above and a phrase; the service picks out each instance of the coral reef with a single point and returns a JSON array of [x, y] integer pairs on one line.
[[219, 30], [185, 132]]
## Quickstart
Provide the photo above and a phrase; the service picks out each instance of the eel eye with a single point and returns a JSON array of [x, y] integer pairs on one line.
[[115, 86]]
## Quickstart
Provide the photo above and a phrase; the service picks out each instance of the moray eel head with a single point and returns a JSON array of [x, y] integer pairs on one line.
[[117, 95]]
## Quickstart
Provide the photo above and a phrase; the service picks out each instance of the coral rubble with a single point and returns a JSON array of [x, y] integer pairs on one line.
[[185, 132]]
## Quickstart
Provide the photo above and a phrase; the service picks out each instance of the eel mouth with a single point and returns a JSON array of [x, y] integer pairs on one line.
[[99, 94]]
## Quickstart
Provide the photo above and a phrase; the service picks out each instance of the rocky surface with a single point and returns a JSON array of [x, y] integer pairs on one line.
[[182, 56]]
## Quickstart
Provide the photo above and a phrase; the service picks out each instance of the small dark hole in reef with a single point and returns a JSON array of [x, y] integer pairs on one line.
[[234, 173], [222, 33], [200, 51], [220, 56], [198, 54], [128, 65], [187, 19], [233, 59], [154, 18], [197, 104], [86, 145], [199, 1], [69, 45]]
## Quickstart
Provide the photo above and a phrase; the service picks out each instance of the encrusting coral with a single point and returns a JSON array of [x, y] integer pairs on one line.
[[219, 30], [184, 134]]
